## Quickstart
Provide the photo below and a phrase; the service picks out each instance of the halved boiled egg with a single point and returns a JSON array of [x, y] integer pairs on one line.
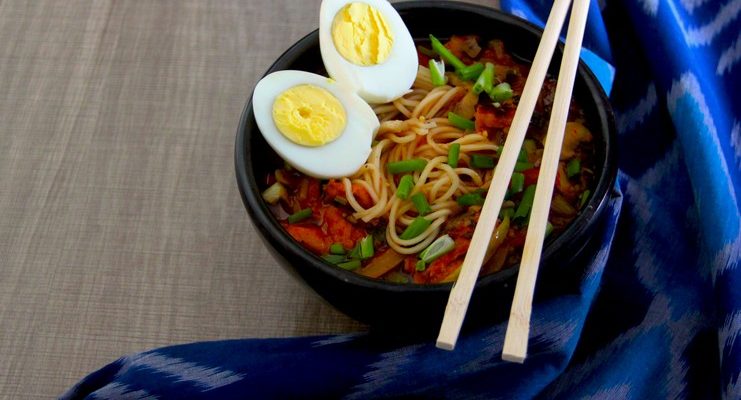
[[317, 125], [365, 45]]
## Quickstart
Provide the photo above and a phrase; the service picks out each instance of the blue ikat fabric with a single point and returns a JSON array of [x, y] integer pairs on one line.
[[656, 313]]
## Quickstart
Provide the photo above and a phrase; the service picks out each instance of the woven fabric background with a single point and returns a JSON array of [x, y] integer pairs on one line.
[[121, 228]]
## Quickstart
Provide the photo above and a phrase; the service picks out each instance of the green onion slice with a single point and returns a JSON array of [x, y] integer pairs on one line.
[[485, 81], [470, 199], [366, 247], [471, 72], [350, 265], [441, 246], [337, 248], [573, 168], [416, 228], [421, 204], [405, 187], [501, 92], [445, 54], [299, 216], [454, 152], [460, 122], [523, 166], [517, 183], [398, 167], [420, 266], [437, 72], [548, 229], [584, 197], [334, 258], [526, 204], [483, 162]]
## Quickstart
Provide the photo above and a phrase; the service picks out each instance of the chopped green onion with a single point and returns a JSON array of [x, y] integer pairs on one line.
[[428, 52], [405, 187], [501, 92], [517, 183], [416, 228], [355, 252], [337, 248], [397, 277], [299, 216], [441, 246], [460, 122], [437, 73], [584, 197], [548, 229], [573, 168], [526, 204], [470, 199], [421, 204], [484, 82], [523, 166], [366, 247], [453, 154], [506, 213], [350, 265], [445, 54], [398, 167], [470, 72], [529, 146], [483, 162], [334, 258], [420, 266], [522, 157]]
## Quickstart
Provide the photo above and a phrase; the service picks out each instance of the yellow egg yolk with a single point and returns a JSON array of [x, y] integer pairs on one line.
[[361, 34], [309, 115]]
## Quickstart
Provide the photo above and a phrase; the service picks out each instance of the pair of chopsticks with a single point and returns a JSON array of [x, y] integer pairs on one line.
[[518, 328]]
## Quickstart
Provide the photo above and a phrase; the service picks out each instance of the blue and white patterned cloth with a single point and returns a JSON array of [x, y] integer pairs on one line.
[[657, 312]]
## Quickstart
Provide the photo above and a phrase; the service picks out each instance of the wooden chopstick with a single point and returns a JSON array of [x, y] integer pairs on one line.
[[518, 328], [460, 296]]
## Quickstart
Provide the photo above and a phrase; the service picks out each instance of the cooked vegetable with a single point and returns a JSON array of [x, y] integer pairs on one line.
[[573, 168], [523, 166], [470, 199], [441, 246], [299, 216], [517, 183], [366, 247], [350, 265], [406, 183], [471, 72], [584, 197], [445, 54], [382, 264], [398, 167], [485, 80], [420, 265], [453, 154], [523, 211], [421, 204], [418, 225], [337, 248], [274, 193], [437, 72], [334, 258], [501, 92], [481, 161], [460, 122]]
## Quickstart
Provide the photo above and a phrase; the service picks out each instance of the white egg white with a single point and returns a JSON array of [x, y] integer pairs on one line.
[[341, 157], [377, 83]]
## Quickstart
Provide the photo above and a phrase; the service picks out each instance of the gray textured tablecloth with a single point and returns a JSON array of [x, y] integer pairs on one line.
[[121, 227]]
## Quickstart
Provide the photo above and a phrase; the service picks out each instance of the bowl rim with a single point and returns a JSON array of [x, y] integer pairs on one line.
[[263, 220]]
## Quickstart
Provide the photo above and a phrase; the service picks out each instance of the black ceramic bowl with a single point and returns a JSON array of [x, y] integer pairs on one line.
[[417, 307]]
